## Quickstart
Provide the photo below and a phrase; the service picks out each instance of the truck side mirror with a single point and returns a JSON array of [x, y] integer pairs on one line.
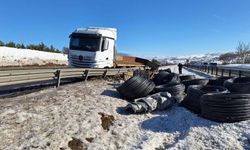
[[105, 44]]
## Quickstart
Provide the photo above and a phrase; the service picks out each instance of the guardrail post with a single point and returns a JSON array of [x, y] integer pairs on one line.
[[105, 73], [58, 78], [86, 73], [216, 71], [222, 72], [229, 72], [212, 70], [208, 70], [240, 74]]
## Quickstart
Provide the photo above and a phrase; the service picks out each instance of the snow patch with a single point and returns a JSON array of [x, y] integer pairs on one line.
[[21, 57]]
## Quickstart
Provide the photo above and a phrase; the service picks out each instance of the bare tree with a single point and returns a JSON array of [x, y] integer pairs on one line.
[[243, 50], [227, 57]]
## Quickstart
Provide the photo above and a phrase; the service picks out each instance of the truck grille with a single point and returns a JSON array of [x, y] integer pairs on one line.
[[85, 62]]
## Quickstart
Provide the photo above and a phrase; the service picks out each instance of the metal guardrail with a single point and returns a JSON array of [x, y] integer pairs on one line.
[[12, 77], [223, 71]]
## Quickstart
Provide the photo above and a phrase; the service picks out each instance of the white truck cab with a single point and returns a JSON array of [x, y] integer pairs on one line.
[[92, 47]]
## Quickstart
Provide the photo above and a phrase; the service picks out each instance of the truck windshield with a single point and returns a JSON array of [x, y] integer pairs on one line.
[[85, 43]]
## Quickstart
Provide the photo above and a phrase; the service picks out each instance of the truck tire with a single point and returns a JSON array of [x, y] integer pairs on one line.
[[187, 83], [186, 77], [227, 107], [220, 81], [135, 87], [158, 78], [167, 70], [174, 89], [166, 78], [238, 85], [212, 81], [194, 93]]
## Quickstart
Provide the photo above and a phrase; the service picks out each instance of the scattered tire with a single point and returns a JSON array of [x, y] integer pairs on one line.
[[238, 85], [158, 78], [212, 81], [186, 77], [174, 89], [187, 83], [220, 81], [166, 78], [168, 70], [194, 93], [226, 107], [135, 87]]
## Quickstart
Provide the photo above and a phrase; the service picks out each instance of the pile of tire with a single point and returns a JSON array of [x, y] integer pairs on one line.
[[193, 99], [227, 107], [136, 87], [177, 90]]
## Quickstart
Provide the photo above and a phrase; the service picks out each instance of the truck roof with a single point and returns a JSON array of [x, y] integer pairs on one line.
[[106, 32]]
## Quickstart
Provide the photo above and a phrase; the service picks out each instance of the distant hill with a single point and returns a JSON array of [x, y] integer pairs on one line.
[[213, 57]]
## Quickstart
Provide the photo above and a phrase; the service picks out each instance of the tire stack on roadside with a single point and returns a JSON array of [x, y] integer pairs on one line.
[[228, 107], [220, 99]]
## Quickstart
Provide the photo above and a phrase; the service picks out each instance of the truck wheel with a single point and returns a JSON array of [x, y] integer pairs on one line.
[[136, 87], [226, 107]]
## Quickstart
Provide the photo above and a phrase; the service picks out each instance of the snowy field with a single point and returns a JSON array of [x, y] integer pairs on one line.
[[50, 119], [24, 57], [240, 66]]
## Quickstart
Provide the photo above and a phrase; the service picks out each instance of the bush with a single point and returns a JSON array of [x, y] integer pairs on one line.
[[1, 43]]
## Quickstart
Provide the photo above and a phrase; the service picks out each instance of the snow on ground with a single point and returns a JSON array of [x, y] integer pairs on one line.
[[241, 66], [21, 57], [51, 118], [187, 71]]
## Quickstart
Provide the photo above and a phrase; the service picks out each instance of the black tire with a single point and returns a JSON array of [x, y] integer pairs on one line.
[[135, 87], [226, 107], [158, 78], [194, 93], [220, 81], [167, 70], [166, 78], [186, 77], [238, 85], [187, 83], [174, 89], [212, 81]]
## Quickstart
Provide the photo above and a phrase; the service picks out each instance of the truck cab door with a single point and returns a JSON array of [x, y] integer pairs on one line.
[[107, 51]]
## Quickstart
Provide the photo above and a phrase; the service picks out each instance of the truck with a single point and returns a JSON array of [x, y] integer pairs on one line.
[[95, 47]]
